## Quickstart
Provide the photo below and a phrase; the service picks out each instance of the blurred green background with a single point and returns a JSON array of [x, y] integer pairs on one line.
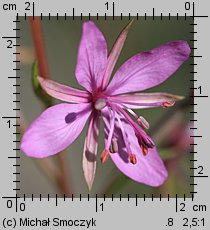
[[171, 135]]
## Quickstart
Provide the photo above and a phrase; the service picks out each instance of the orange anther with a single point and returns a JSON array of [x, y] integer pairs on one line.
[[104, 156], [144, 150], [168, 104], [133, 159]]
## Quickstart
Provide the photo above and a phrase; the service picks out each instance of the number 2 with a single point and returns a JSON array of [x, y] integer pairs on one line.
[[27, 5]]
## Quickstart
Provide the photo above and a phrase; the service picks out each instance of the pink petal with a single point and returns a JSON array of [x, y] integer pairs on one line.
[[114, 54], [90, 150], [55, 129], [92, 57], [63, 92], [148, 170], [148, 69], [144, 100]]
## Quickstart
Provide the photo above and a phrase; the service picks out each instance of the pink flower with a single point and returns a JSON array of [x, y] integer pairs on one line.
[[126, 142]]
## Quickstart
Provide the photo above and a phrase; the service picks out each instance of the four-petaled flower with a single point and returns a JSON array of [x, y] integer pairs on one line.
[[126, 142]]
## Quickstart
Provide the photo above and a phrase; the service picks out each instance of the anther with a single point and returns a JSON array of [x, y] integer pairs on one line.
[[168, 104], [143, 122], [100, 104], [114, 146], [144, 150], [133, 159], [104, 156]]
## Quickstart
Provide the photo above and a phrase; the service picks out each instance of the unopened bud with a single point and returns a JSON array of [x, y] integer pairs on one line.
[[143, 122], [114, 146]]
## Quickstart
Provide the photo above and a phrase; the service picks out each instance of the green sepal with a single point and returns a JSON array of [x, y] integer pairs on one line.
[[39, 92]]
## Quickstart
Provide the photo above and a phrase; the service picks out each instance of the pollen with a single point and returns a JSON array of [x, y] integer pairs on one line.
[[143, 122], [144, 150], [104, 156], [133, 159], [168, 104], [114, 146]]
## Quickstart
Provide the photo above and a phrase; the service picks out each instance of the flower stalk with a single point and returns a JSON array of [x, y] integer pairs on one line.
[[36, 30]]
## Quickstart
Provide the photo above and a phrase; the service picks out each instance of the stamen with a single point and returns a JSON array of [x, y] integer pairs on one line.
[[149, 143], [132, 112], [168, 104], [146, 104], [133, 159], [104, 156], [139, 132], [114, 146], [127, 144], [144, 149], [70, 117], [100, 104], [143, 122], [145, 141], [111, 131], [140, 120]]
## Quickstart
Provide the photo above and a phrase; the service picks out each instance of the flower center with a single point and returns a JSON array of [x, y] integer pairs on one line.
[[100, 104]]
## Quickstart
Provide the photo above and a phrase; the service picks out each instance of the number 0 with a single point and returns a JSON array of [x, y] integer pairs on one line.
[[9, 204], [187, 5], [22, 207]]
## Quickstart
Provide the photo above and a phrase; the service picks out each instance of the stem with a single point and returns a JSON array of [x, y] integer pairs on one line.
[[36, 29]]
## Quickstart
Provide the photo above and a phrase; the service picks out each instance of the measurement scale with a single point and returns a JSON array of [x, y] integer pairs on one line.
[[179, 212]]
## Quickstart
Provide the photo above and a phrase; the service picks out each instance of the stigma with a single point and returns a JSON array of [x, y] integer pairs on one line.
[[100, 104]]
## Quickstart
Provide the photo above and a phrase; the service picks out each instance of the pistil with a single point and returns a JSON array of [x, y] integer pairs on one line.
[[100, 104]]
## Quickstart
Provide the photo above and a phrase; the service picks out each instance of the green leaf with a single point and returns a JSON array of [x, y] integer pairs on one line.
[[40, 93]]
